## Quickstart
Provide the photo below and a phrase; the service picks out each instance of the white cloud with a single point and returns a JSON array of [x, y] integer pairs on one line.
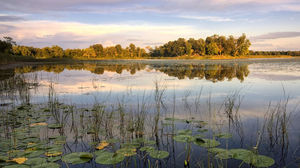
[[74, 34], [207, 18], [277, 44]]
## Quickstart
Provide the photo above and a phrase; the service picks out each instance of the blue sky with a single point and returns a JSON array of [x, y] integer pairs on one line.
[[270, 24]]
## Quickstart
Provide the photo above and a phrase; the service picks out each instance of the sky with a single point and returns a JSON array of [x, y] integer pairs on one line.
[[269, 24]]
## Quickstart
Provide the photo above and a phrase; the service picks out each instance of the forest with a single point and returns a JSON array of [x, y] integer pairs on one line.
[[212, 45]]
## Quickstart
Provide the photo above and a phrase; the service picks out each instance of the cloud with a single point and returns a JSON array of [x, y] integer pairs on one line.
[[207, 18], [5, 28], [276, 35], [276, 44], [34, 6], [9, 18], [74, 34]]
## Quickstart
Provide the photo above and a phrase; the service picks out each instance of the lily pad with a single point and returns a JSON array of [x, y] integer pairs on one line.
[[17, 166], [35, 161], [250, 158], [108, 158], [147, 148], [54, 126], [53, 159], [112, 140], [183, 138], [33, 154], [127, 151], [208, 143], [77, 158], [242, 154], [221, 153], [3, 158], [262, 161], [202, 130], [224, 135], [184, 132], [47, 165], [130, 145], [158, 154], [53, 153], [149, 142]]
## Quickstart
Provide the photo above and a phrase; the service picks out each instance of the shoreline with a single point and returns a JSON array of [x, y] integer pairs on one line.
[[204, 58]]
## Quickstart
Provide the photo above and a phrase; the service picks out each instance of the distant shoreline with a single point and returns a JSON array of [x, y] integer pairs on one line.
[[25, 62]]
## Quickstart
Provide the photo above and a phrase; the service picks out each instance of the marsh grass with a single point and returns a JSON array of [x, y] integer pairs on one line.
[[126, 125]]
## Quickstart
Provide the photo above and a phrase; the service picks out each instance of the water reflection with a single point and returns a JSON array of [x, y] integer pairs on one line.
[[211, 72], [228, 99]]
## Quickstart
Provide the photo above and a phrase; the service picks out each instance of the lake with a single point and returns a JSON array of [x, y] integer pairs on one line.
[[151, 113]]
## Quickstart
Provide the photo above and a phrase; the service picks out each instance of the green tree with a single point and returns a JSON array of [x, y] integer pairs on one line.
[[98, 48], [212, 49], [89, 53], [242, 46], [57, 52]]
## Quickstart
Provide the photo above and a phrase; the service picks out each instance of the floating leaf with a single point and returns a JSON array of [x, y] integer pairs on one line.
[[47, 165], [183, 138], [86, 155], [108, 158], [184, 132], [250, 158], [20, 160], [158, 154], [54, 126], [242, 154], [38, 124], [147, 148], [3, 158], [221, 153], [74, 158], [224, 135], [35, 161], [130, 145], [112, 140], [16, 153], [59, 142], [53, 159], [17, 166], [53, 153], [208, 143], [174, 119], [127, 151], [262, 161], [32, 154], [102, 145], [149, 142]]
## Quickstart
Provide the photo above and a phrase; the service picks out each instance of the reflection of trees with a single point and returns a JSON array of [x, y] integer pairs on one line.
[[211, 72], [94, 68]]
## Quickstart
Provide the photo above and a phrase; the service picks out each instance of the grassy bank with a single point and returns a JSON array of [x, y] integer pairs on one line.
[[18, 59]]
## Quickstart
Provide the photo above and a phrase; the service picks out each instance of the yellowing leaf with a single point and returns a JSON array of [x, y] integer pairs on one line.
[[102, 145], [38, 124], [20, 160], [53, 154]]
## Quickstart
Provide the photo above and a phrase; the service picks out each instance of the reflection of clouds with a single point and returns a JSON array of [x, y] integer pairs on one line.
[[276, 71], [83, 82]]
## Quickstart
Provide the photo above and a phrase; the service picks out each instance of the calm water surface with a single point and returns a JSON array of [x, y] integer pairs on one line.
[[192, 89]]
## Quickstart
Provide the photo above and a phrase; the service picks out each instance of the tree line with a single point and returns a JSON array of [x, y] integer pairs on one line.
[[212, 45], [92, 52], [291, 53]]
